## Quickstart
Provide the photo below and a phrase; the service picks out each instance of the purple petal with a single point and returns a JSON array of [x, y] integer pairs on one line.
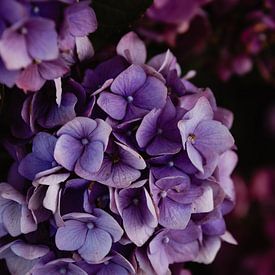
[[78, 128], [72, 236], [67, 151], [42, 39], [96, 246], [11, 219], [132, 48], [151, 95], [114, 105], [91, 159], [13, 50], [164, 63], [59, 115], [148, 128], [208, 250], [31, 165], [27, 221], [225, 116], [108, 223], [43, 146], [101, 133], [30, 79], [50, 200], [205, 203], [195, 157], [51, 70], [162, 145], [84, 48], [201, 111], [129, 81], [131, 157], [7, 77], [174, 215], [212, 135], [29, 251], [81, 19]]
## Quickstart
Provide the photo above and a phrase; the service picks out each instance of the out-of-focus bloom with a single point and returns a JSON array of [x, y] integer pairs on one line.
[[37, 45]]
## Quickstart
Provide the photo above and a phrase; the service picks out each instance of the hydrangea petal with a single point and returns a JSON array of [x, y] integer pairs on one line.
[[97, 245], [72, 236]]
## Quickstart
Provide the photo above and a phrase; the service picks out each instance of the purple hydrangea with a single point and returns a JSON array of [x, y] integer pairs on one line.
[[135, 93], [91, 235], [126, 171], [81, 145], [37, 44]]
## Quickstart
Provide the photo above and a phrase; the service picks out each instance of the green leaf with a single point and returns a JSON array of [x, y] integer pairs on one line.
[[115, 17]]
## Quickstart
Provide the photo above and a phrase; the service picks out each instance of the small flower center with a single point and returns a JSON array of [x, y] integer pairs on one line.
[[135, 201], [24, 30], [159, 131], [165, 240], [115, 159], [163, 193], [130, 99], [90, 225], [129, 133], [84, 141], [171, 163], [36, 9], [62, 270], [37, 61], [191, 138]]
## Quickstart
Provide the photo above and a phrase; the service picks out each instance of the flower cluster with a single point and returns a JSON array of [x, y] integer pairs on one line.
[[129, 171], [39, 40]]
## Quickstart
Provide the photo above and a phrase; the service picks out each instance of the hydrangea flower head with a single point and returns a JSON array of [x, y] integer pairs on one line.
[[126, 173]]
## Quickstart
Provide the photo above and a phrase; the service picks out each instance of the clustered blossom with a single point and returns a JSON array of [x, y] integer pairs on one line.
[[127, 172], [39, 40]]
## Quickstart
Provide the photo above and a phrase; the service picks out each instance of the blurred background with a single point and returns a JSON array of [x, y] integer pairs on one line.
[[228, 46]]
